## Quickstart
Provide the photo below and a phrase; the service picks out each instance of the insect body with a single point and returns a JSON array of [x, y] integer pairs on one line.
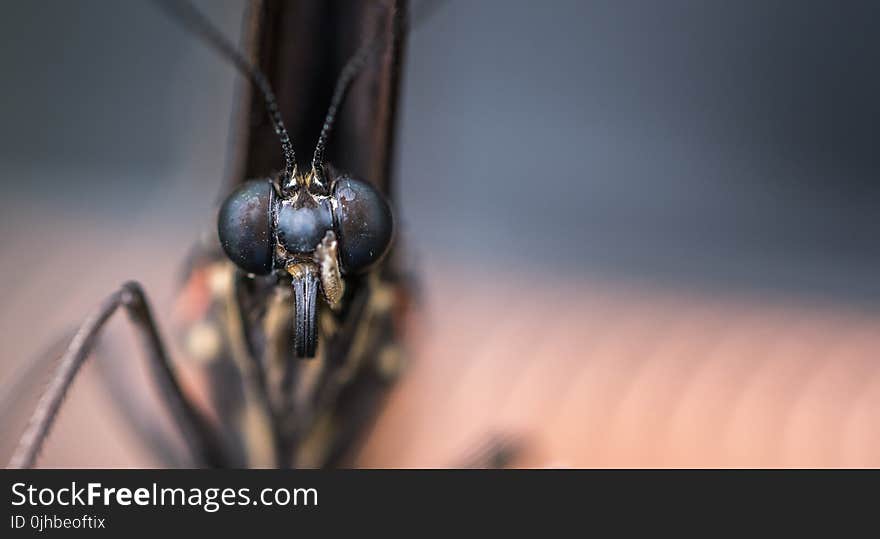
[[311, 232], [296, 240], [311, 226]]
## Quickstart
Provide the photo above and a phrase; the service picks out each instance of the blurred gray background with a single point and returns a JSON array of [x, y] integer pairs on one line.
[[732, 143], [718, 145]]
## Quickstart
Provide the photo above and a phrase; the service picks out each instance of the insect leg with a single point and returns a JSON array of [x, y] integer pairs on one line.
[[130, 403], [497, 451], [193, 427], [257, 418], [31, 373]]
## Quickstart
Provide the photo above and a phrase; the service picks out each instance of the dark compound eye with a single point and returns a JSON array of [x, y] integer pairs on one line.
[[363, 223], [244, 227]]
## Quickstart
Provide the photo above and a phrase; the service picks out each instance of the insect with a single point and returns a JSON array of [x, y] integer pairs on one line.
[[297, 254]]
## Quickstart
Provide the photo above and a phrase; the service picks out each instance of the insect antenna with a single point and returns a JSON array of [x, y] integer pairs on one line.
[[206, 447], [195, 21], [349, 72], [343, 83]]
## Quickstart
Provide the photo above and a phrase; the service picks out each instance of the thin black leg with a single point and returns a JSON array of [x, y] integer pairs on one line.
[[196, 432], [497, 451]]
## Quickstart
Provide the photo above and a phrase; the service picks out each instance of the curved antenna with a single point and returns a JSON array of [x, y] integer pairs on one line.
[[343, 83], [351, 69], [196, 22]]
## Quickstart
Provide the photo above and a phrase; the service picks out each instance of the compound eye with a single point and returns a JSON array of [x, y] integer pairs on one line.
[[363, 222], [244, 227]]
